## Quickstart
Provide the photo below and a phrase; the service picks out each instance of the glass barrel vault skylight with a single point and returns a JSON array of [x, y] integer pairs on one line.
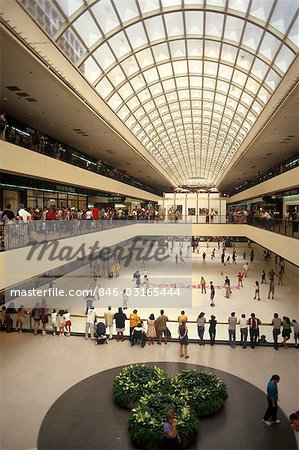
[[188, 78]]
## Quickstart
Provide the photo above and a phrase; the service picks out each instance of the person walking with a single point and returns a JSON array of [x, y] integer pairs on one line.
[[232, 322], [203, 285], [271, 289], [279, 276], [151, 330], [212, 293], [257, 291], [243, 330], [183, 339], [252, 256], [125, 299], [240, 279], [272, 398], [282, 265], [201, 327], [136, 277], [212, 329], [227, 287], [120, 321], [276, 323], [108, 318], [162, 327], [253, 323], [286, 330], [245, 269], [263, 277]]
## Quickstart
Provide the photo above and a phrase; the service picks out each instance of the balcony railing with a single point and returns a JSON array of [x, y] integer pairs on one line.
[[79, 321], [20, 234]]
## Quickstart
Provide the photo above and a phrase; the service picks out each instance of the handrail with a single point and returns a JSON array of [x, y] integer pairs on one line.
[[78, 329], [20, 234]]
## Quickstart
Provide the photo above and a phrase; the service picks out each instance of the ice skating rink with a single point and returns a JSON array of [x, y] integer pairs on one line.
[[174, 285]]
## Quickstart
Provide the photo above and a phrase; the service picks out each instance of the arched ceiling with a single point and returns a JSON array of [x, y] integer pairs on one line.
[[188, 78]]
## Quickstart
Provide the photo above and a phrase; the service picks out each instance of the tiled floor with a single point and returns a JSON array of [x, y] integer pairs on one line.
[[35, 371]]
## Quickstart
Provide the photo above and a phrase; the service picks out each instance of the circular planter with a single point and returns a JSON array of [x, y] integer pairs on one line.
[[136, 380], [203, 391], [147, 420]]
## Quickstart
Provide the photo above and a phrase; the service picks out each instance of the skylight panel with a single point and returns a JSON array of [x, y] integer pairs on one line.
[[105, 15], [87, 29]]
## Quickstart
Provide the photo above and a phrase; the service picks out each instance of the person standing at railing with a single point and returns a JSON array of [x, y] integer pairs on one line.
[[201, 327], [36, 315], [90, 323], [108, 318], [276, 323], [21, 315], [253, 323], [243, 330], [212, 329], [232, 323]]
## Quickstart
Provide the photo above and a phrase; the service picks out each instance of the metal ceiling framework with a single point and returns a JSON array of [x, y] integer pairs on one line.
[[188, 78]]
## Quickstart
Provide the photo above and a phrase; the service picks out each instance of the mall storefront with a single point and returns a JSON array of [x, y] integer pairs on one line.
[[34, 193]]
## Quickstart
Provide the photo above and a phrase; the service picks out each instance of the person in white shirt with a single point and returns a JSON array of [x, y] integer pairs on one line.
[[54, 321], [108, 317], [24, 215], [88, 214], [243, 330], [245, 269], [68, 323], [90, 322]]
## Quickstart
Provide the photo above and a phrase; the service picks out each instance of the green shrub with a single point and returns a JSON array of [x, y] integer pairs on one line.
[[203, 391], [147, 420], [136, 380]]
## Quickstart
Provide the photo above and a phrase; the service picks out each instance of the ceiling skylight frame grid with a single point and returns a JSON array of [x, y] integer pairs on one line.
[[186, 135]]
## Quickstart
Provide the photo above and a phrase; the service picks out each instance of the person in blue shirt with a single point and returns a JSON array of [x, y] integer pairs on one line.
[[272, 397]]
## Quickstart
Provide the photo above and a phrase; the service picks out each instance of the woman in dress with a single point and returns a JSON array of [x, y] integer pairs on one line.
[[183, 339], [151, 329]]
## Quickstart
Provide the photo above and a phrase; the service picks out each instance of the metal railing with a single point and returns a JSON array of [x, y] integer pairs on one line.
[[79, 321], [20, 234]]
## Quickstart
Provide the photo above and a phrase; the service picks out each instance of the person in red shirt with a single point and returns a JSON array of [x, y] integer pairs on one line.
[[50, 214], [95, 213]]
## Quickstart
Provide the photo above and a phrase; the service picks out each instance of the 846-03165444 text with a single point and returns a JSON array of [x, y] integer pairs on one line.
[[138, 292], [97, 291]]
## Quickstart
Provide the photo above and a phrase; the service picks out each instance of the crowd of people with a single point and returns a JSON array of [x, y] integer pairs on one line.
[[24, 214], [19, 134], [153, 329]]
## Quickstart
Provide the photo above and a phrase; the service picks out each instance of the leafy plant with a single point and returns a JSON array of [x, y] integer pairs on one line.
[[147, 419], [203, 391], [136, 380]]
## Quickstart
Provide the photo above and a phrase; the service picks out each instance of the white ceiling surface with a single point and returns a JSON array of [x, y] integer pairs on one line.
[[190, 79], [58, 112]]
